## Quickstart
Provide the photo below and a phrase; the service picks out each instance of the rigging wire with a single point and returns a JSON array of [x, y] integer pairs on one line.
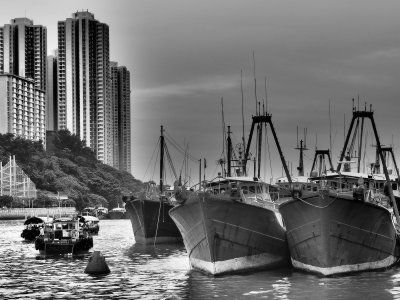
[[270, 161], [154, 170], [179, 148], [171, 165], [265, 153], [151, 159]]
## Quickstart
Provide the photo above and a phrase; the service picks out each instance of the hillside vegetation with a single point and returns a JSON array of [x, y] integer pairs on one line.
[[70, 168]]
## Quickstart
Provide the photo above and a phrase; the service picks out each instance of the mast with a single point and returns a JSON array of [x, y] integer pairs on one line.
[[162, 160], [370, 115], [267, 120], [321, 155], [300, 168], [200, 174], [259, 130], [389, 185], [360, 145], [390, 150], [229, 150], [241, 89]]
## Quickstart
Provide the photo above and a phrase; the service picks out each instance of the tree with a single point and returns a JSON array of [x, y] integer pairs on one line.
[[6, 201]]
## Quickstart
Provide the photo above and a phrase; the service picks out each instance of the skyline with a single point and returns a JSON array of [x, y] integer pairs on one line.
[[184, 57]]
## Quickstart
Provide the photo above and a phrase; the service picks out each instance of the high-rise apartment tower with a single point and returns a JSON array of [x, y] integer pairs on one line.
[[121, 95], [23, 50], [84, 100]]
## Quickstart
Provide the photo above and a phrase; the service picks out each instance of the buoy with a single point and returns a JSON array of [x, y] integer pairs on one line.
[[97, 264]]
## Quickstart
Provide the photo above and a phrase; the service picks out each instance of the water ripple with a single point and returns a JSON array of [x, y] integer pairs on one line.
[[162, 272]]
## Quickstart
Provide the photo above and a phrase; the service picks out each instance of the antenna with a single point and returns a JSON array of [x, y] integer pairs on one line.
[[305, 137], [241, 89], [266, 95], [223, 128], [344, 127], [316, 140], [255, 80], [330, 127]]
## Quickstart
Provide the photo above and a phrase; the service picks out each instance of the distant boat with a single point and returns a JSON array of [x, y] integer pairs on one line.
[[348, 224], [148, 211], [33, 226], [117, 213], [65, 236], [232, 224], [98, 212]]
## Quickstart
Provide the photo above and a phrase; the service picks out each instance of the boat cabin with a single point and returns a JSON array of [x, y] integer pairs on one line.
[[247, 190]]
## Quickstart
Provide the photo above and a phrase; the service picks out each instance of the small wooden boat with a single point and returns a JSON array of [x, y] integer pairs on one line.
[[33, 226], [90, 224], [65, 236]]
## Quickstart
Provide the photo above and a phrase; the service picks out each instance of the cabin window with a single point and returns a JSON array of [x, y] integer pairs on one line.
[[394, 186], [245, 190], [252, 189], [315, 189]]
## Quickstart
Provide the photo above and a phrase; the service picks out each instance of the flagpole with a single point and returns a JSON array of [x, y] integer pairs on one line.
[[200, 174], [205, 166]]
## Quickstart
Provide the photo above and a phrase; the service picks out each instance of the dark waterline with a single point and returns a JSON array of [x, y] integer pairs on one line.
[[162, 272]]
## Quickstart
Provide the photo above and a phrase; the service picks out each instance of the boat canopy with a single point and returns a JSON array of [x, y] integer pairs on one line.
[[88, 219], [222, 180], [118, 209], [38, 220], [65, 219]]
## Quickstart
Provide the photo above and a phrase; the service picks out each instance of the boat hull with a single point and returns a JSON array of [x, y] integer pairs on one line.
[[62, 247], [223, 236], [30, 234], [151, 222], [330, 234]]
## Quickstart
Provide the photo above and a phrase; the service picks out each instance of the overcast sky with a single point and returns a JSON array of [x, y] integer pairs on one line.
[[184, 56]]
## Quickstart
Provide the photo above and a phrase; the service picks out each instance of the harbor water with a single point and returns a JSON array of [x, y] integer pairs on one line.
[[162, 272]]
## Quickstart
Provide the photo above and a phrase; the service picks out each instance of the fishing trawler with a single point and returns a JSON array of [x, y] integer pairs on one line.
[[232, 224], [64, 236], [148, 211], [349, 224]]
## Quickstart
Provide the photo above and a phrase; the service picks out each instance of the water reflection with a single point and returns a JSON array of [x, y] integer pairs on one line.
[[162, 272]]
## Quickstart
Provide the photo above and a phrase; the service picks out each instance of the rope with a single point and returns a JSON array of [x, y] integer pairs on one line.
[[313, 205], [158, 221]]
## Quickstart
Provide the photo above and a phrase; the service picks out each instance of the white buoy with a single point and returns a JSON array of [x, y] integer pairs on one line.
[[97, 264]]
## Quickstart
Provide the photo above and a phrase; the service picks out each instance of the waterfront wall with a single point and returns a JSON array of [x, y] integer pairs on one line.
[[23, 213]]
